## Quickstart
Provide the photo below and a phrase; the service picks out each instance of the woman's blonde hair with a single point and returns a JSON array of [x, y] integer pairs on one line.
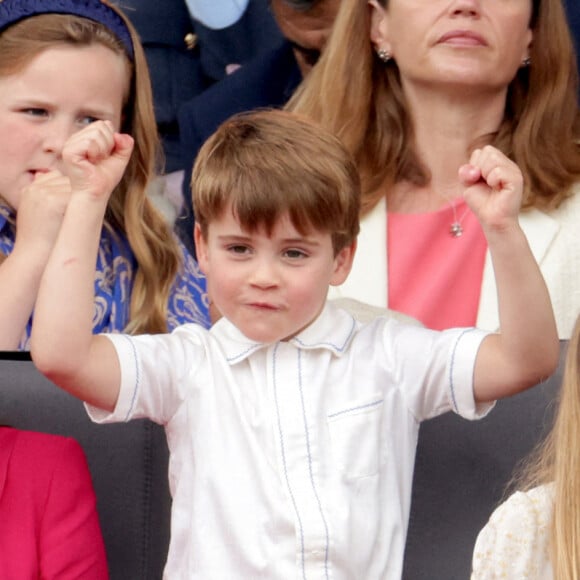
[[130, 210], [359, 98], [269, 163], [557, 462]]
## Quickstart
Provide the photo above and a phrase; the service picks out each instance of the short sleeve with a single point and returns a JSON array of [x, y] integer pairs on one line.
[[158, 373], [440, 378], [515, 541]]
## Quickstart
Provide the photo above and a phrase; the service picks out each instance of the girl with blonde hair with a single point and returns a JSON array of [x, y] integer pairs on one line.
[[412, 88], [535, 534], [63, 66]]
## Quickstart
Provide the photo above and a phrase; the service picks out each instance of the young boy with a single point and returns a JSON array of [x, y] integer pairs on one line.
[[292, 428]]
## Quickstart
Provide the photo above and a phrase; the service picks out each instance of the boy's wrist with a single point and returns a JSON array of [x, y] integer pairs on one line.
[[506, 230]]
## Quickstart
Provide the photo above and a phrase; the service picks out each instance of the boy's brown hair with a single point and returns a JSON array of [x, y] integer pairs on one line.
[[269, 163]]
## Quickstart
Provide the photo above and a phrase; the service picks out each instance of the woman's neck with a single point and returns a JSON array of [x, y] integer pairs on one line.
[[447, 127]]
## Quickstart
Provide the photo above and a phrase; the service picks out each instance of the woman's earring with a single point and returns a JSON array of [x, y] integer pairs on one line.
[[384, 55], [526, 61]]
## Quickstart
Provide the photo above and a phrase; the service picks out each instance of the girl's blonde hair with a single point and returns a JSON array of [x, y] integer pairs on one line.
[[557, 462], [359, 98], [130, 210]]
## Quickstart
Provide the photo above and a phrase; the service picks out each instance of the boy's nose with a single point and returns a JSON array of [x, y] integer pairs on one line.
[[264, 274]]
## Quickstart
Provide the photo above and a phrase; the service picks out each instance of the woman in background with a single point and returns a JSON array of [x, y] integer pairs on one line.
[[412, 88]]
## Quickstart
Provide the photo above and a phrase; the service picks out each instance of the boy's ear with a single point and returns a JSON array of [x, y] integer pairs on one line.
[[200, 249], [343, 264]]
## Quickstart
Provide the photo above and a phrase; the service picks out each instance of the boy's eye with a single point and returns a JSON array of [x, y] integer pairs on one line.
[[295, 254], [238, 249]]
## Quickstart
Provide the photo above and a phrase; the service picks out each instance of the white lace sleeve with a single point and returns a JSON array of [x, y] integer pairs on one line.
[[515, 541]]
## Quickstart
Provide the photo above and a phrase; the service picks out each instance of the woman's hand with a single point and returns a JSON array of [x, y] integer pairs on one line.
[[494, 186]]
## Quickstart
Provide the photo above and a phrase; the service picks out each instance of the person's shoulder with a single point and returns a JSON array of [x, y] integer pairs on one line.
[[568, 212], [523, 514], [515, 541], [561, 220], [165, 23], [37, 454], [251, 86], [535, 502], [47, 447], [366, 313]]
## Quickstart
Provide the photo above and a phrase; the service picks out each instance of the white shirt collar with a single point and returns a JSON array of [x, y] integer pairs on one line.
[[332, 330]]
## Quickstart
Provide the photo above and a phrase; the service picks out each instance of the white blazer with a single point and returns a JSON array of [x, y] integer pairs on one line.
[[554, 238]]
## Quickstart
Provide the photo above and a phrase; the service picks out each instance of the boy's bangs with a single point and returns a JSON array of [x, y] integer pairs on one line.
[[259, 199]]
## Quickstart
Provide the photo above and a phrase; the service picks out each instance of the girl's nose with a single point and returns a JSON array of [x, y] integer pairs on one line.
[[57, 134]]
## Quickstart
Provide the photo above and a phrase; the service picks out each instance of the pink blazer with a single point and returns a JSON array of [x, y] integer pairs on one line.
[[49, 526]]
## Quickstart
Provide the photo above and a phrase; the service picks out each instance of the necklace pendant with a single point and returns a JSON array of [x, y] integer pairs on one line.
[[456, 230]]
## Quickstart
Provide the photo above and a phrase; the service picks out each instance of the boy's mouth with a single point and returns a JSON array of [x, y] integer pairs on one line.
[[263, 306]]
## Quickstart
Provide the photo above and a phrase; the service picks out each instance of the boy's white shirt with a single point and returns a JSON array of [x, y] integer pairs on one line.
[[293, 459], [554, 239]]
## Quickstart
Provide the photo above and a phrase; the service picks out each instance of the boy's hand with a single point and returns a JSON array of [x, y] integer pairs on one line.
[[41, 209], [494, 186], [95, 159]]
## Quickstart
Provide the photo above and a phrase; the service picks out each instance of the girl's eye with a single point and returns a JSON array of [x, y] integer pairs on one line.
[[84, 121], [295, 254], [35, 112]]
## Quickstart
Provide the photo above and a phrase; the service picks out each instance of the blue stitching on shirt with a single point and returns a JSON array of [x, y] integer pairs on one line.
[[314, 490], [284, 462], [243, 353], [329, 344], [359, 408], [451, 368], [137, 377]]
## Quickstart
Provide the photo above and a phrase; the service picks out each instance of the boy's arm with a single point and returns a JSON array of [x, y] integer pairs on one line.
[[62, 345], [525, 351]]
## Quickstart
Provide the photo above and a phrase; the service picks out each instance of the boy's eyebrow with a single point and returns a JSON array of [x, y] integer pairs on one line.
[[301, 240], [233, 237], [286, 241]]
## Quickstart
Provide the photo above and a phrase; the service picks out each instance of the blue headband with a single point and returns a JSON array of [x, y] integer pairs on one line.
[[12, 11]]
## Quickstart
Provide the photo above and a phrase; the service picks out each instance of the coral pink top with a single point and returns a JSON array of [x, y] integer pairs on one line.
[[49, 526], [434, 276]]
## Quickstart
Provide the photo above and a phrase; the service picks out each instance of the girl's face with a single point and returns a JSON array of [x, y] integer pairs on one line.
[[477, 43], [58, 93]]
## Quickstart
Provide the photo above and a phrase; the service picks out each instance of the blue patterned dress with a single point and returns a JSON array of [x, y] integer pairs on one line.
[[114, 276]]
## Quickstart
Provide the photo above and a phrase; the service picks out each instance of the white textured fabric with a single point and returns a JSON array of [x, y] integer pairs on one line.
[[216, 14], [293, 459], [515, 542], [554, 238]]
